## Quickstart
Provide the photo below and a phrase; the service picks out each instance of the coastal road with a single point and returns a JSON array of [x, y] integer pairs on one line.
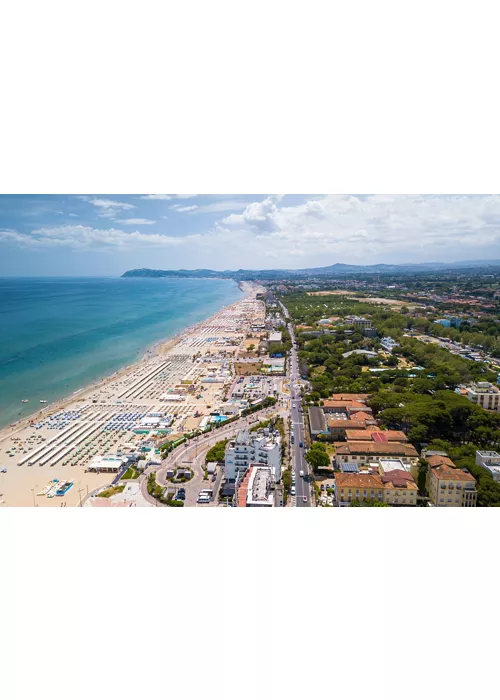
[[302, 484]]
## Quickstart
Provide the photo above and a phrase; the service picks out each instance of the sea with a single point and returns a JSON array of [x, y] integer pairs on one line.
[[61, 334]]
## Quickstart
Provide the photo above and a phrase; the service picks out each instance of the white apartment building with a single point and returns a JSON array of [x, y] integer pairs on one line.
[[263, 447], [484, 394], [491, 461], [358, 322], [388, 344]]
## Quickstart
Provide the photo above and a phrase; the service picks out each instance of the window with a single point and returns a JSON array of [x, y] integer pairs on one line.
[[441, 500], [449, 500]]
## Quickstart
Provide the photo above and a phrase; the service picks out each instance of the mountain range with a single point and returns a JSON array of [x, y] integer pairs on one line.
[[338, 269]]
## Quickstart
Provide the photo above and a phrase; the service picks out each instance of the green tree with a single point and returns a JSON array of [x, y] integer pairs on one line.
[[317, 456]]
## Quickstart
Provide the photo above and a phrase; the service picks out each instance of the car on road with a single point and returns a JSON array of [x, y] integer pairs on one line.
[[301, 473], [292, 491], [304, 499], [300, 444]]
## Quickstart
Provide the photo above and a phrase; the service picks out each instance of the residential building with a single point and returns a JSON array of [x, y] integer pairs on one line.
[[388, 344], [491, 461], [256, 489], [484, 394], [351, 397], [358, 322], [262, 447], [449, 486], [350, 456], [275, 337], [376, 435], [400, 488], [391, 465], [340, 423], [360, 487], [345, 406]]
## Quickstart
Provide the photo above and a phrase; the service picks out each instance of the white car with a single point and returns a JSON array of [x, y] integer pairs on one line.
[[292, 491], [301, 473]]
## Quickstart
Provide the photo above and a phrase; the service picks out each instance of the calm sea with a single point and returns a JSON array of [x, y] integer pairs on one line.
[[59, 334]]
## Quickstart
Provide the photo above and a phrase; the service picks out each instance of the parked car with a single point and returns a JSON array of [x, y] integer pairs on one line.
[[322, 487]]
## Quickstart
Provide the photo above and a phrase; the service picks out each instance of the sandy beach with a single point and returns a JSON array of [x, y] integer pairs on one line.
[[185, 376]]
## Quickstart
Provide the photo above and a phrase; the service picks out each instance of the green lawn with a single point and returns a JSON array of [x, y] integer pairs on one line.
[[131, 473], [111, 492]]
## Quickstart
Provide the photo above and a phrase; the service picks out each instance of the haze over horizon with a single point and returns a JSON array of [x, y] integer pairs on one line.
[[109, 234]]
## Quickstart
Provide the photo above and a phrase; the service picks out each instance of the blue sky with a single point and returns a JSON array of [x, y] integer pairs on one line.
[[107, 234]]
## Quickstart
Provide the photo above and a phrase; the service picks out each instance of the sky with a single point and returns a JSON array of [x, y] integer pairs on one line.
[[108, 234]]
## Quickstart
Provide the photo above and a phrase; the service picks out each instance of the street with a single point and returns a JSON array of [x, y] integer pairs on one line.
[[302, 487]]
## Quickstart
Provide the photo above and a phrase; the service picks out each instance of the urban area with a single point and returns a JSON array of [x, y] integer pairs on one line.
[[349, 391]]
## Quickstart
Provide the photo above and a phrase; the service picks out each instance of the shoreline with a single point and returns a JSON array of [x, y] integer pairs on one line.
[[157, 348], [65, 445]]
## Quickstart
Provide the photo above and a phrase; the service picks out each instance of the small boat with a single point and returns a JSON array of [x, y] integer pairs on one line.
[[24, 400], [42, 401]]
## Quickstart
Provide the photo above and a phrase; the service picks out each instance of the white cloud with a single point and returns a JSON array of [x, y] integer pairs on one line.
[[80, 237], [110, 204], [168, 196], [321, 230], [179, 208], [108, 208], [390, 227], [223, 205], [135, 222]]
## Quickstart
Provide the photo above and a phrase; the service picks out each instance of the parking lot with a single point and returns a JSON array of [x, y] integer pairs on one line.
[[327, 489]]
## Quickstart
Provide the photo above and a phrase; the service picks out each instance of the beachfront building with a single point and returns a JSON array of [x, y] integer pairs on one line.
[[484, 394], [449, 486], [106, 463], [263, 447]]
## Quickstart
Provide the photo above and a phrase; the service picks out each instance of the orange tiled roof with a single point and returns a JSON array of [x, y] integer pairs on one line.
[[453, 474], [438, 460], [353, 424], [350, 397], [377, 448], [399, 479], [364, 481], [373, 433]]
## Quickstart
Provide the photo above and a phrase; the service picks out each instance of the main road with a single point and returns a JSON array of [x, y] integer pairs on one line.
[[299, 464]]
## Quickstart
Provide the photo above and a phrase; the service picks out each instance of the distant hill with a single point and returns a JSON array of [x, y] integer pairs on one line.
[[336, 270]]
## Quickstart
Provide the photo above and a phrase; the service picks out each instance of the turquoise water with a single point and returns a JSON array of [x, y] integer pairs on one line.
[[60, 334]]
